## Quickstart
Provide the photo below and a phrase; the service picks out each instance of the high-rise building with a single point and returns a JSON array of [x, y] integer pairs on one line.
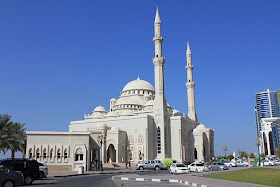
[[266, 107]]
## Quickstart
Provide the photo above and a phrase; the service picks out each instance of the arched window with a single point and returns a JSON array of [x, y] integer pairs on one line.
[[79, 156], [140, 139], [38, 153], [195, 153], [51, 154], [65, 154], [159, 140], [58, 154], [30, 153], [130, 139], [45, 154]]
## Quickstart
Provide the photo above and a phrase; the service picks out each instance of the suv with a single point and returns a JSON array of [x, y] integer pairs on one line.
[[149, 164], [29, 168]]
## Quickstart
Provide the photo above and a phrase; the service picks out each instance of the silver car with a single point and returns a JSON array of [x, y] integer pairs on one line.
[[218, 166], [149, 164], [10, 178], [43, 170]]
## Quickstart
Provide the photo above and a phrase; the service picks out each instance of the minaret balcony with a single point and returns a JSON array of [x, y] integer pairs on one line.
[[189, 67], [157, 38], [159, 61]]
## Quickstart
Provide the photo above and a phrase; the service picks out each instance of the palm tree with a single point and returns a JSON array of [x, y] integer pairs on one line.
[[225, 148], [5, 123], [12, 136]]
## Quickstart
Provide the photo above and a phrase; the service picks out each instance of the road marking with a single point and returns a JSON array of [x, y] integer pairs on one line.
[[140, 179], [172, 180], [124, 178], [156, 180]]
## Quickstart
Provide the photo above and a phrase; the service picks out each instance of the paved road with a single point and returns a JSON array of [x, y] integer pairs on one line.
[[105, 180]]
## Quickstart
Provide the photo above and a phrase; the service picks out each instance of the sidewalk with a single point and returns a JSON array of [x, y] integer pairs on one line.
[[105, 171]]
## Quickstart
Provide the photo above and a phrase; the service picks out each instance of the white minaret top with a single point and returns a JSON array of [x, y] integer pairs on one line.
[[189, 53], [190, 85], [157, 19]]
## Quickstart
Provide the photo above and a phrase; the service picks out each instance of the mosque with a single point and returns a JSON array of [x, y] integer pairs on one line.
[[139, 125]]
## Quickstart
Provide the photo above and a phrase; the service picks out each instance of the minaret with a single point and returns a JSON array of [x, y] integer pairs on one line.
[[160, 107], [190, 85]]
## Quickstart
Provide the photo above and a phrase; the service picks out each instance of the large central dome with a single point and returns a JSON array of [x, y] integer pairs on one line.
[[138, 84]]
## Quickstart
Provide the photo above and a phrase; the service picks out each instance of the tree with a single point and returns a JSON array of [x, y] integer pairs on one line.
[[12, 135], [239, 151], [230, 157], [225, 148], [278, 152], [243, 154], [252, 155]]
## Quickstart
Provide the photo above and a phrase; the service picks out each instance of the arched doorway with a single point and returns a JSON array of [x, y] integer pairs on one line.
[[111, 154]]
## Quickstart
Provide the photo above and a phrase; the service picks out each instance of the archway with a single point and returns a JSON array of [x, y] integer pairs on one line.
[[111, 154]]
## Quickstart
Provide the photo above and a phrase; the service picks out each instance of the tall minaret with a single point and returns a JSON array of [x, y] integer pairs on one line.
[[160, 107], [190, 85]]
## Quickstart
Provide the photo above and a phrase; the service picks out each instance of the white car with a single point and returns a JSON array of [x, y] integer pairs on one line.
[[230, 164], [242, 163], [197, 167], [43, 170], [178, 168], [268, 163]]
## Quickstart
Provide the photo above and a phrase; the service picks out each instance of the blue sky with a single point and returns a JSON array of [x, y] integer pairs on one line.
[[61, 59]]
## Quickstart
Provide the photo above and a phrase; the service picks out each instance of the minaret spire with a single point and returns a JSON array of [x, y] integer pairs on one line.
[[190, 85], [157, 19], [160, 106]]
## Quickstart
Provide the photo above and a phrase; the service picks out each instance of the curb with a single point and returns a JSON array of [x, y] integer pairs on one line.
[[106, 173], [161, 180]]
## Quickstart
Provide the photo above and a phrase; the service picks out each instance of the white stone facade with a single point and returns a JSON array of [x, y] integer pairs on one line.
[[139, 125]]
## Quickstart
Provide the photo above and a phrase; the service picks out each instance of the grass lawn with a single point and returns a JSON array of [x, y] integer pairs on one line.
[[264, 176]]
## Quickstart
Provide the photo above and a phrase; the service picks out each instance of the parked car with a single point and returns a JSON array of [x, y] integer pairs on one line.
[[277, 162], [149, 164], [197, 167], [230, 164], [10, 178], [242, 163], [178, 168], [29, 168], [218, 166], [268, 163], [43, 170]]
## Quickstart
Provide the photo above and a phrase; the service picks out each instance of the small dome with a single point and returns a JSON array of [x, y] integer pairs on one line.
[[115, 129], [112, 114], [150, 103], [99, 109], [200, 128], [102, 125], [113, 99], [138, 85]]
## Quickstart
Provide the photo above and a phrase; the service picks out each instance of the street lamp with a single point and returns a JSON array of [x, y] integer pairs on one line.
[[100, 162], [258, 142]]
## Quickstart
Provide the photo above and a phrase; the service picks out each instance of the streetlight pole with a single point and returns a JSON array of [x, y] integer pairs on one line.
[[258, 142], [100, 162]]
